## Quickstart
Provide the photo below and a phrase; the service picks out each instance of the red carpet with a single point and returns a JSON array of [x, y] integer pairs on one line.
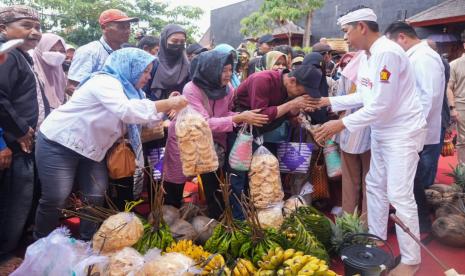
[[452, 257]]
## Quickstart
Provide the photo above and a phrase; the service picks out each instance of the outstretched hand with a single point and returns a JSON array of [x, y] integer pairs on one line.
[[327, 130]]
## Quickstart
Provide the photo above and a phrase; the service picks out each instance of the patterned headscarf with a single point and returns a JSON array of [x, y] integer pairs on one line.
[[127, 65]]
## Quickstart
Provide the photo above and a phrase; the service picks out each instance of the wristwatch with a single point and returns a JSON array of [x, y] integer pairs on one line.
[[451, 107]]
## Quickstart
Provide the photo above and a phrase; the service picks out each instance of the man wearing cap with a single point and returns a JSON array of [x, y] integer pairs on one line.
[[276, 94], [430, 83], [264, 45], [386, 90], [456, 96], [22, 106], [116, 28]]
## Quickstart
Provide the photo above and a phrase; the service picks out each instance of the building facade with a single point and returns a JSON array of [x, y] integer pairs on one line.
[[225, 22]]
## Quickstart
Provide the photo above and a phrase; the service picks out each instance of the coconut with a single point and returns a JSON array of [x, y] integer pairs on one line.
[[450, 230], [170, 214], [182, 230], [118, 231], [204, 226], [126, 262]]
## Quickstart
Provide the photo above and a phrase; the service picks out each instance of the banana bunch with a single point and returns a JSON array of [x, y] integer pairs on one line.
[[279, 262], [214, 265], [154, 238], [211, 264], [243, 268], [188, 248]]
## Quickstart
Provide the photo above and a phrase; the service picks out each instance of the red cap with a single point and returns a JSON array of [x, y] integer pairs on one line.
[[114, 15]]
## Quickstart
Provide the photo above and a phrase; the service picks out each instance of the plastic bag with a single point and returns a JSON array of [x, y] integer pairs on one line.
[[272, 216], [170, 264], [292, 203], [95, 263], [264, 178], [333, 160], [126, 262], [241, 152], [54, 255], [195, 143], [116, 232]]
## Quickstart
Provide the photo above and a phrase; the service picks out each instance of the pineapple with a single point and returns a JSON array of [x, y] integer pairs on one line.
[[458, 174], [344, 226]]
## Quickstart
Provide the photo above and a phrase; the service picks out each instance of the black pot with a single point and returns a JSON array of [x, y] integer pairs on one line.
[[364, 259]]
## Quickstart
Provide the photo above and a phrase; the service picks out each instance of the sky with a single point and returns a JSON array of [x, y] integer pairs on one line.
[[206, 6]]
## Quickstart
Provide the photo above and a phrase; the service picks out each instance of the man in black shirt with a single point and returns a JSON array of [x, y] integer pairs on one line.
[[20, 93]]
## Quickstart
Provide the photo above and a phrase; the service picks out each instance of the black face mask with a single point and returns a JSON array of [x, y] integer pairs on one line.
[[175, 48]]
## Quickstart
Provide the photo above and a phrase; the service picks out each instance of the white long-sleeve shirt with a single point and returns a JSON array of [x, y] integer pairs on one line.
[[429, 82], [386, 83], [93, 119]]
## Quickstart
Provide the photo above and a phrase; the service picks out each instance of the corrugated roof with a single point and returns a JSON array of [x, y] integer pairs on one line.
[[447, 9]]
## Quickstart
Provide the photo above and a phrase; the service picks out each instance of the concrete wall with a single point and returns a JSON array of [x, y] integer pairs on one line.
[[225, 22]]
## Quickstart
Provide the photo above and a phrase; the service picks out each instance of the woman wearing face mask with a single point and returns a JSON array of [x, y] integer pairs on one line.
[[48, 57], [211, 94], [276, 60], [74, 139], [173, 68]]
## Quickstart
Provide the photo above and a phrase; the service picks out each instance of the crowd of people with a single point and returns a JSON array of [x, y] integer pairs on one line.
[[62, 110]]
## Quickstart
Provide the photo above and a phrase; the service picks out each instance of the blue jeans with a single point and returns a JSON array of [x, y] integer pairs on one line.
[[16, 195], [424, 178], [58, 168]]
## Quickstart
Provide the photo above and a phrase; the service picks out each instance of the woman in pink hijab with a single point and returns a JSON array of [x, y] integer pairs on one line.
[[48, 57]]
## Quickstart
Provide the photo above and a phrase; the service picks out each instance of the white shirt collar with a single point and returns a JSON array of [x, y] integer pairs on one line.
[[414, 48]]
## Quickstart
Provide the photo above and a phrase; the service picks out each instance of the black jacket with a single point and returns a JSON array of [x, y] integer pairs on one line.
[[18, 97]]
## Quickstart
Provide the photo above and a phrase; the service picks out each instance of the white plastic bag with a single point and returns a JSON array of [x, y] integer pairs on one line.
[[264, 178], [54, 255], [272, 216], [127, 262], [195, 142], [170, 264]]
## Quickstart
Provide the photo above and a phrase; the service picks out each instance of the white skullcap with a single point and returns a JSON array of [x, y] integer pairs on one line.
[[365, 14]]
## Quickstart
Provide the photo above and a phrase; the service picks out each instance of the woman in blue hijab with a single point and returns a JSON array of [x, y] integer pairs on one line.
[[74, 139], [226, 48]]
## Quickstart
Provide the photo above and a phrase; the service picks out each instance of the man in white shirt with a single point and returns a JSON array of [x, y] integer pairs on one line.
[[429, 83], [89, 58], [386, 86]]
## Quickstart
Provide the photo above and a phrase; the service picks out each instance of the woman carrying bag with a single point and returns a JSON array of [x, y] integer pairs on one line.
[[73, 140], [211, 94]]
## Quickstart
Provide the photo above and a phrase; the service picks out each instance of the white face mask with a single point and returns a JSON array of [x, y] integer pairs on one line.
[[53, 58]]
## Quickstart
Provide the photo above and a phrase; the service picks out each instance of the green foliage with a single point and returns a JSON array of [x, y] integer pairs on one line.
[[77, 20], [458, 173], [274, 13]]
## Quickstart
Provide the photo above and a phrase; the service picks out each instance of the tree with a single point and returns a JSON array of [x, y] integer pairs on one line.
[[77, 20], [277, 13]]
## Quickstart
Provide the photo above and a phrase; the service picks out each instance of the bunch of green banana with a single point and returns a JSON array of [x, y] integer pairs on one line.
[[301, 239], [290, 262], [243, 267], [315, 222], [154, 238]]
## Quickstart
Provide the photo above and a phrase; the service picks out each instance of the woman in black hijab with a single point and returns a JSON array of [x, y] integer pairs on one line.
[[211, 94], [173, 68]]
